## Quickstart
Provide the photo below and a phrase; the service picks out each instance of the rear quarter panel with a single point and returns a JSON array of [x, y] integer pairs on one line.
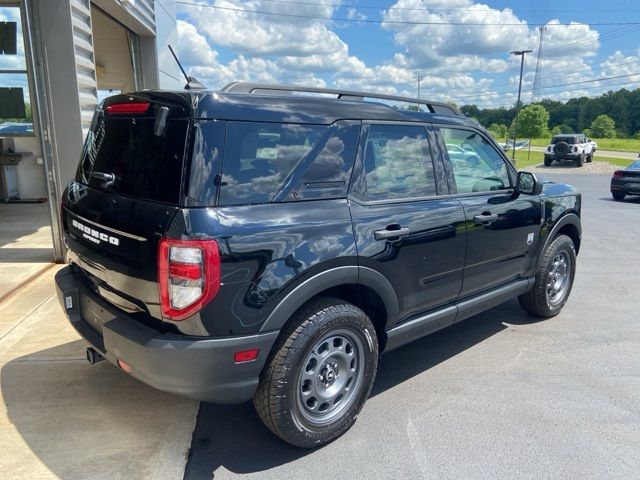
[[559, 200], [266, 250]]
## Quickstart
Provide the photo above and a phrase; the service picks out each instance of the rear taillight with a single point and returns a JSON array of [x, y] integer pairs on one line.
[[575, 149], [128, 108], [188, 276], [618, 174]]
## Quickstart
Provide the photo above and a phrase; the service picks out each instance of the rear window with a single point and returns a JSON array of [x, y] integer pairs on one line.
[[568, 140], [144, 164], [258, 158]]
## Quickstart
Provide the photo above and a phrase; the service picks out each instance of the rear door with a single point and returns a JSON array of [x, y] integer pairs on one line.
[[403, 229], [127, 188], [502, 228]]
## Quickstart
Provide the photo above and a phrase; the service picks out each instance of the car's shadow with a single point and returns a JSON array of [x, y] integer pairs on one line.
[[233, 438], [633, 200]]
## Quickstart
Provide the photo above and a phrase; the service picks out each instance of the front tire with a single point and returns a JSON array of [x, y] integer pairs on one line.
[[553, 280], [320, 374]]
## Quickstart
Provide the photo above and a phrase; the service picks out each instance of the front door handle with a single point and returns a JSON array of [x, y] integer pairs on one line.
[[387, 234], [485, 218]]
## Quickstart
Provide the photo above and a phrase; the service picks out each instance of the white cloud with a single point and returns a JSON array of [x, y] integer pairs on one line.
[[355, 14], [461, 62]]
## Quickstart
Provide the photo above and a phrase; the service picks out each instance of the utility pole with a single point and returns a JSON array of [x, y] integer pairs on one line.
[[536, 80], [419, 78], [522, 53]]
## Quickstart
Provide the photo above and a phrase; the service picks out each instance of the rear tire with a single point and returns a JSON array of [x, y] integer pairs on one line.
[[320, 373], [618, 196], [553, 280], [547, 161], [590, 158], [580, 160]]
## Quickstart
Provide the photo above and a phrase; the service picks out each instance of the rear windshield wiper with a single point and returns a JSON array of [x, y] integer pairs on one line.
[[108, 179]]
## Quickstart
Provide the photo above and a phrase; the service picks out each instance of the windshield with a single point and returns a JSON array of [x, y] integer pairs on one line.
[[569, 140]]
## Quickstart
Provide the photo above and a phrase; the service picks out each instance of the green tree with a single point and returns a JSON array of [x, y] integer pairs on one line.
[[556, 130], [533, 122], [603, 127], [498, 130]]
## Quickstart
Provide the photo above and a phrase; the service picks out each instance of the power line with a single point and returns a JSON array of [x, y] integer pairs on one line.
[[556, 52], [399, 22], [551, 86], [496, 105], [430, 9]]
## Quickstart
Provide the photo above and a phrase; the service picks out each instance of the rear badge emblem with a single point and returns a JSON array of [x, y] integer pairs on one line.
[[94, 235], [68, 302], [530, 239]]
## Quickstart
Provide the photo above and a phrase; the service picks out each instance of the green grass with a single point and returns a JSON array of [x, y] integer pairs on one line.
[[523, 160]]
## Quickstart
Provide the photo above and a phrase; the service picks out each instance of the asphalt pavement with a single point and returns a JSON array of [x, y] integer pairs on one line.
[[501, 395]]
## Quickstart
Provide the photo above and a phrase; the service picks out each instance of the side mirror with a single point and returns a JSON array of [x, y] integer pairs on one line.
[[528, 184]]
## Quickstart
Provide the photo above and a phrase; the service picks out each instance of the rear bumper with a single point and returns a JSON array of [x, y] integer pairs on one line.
[[625, 186], [568, 156], [197, 367]]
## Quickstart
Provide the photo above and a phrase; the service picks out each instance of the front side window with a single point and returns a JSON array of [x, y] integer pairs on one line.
[[397, 163], [258, 158], [477, 166]]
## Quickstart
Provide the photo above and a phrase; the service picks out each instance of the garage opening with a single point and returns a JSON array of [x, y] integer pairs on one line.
[[26, 246], [116, 55]]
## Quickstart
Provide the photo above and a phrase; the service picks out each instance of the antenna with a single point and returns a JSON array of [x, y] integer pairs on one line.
[[192, 83]]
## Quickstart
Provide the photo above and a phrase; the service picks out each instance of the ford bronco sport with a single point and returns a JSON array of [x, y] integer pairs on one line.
[[262, 243]]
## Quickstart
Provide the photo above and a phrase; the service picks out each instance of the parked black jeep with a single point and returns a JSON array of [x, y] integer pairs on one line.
[[259, 243]]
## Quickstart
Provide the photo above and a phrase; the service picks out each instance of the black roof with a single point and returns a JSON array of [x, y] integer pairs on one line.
[[285, 107]]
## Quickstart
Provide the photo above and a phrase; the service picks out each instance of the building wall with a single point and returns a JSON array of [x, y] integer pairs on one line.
[[170, 76]]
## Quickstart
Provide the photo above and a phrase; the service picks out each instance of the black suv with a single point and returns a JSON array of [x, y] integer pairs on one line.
[[261, 243]]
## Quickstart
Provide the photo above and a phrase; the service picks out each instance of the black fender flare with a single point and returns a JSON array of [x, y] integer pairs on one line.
[[567, 219], [334, 277]]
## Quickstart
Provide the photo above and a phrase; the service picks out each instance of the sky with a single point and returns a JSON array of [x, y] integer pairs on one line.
[[460, 46]]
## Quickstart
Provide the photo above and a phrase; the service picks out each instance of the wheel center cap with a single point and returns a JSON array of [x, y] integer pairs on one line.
[[329, 374]]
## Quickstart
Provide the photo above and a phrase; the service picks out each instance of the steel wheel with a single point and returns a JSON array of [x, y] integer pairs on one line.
[[330, 377], [558, 281]]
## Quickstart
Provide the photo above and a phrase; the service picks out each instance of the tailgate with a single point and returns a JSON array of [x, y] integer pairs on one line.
[[114, 240], [127, 188]]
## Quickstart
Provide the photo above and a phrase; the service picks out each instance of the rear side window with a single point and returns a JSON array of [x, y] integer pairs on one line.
[[397, 163], [143, 164], [258, 157]]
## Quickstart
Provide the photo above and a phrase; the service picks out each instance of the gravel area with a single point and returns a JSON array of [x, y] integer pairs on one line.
[[595, 167]]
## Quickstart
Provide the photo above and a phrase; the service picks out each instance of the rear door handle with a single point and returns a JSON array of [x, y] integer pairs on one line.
[[387, 234], [485, 218]]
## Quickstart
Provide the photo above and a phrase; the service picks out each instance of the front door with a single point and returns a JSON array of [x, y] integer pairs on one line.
[[403, 229], [502, 228]]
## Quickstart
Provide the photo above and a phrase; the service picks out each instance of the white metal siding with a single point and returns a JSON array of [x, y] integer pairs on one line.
[[143, 10], [84, 60]]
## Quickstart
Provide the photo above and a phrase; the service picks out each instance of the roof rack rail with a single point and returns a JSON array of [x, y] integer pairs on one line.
[[259, 88]]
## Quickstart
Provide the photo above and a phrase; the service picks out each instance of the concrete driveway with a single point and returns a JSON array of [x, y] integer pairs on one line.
[[501, 395], [61, 418]]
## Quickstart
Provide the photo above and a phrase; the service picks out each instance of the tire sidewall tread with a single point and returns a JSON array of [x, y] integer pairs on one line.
[[535, 300], [275, 399]]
